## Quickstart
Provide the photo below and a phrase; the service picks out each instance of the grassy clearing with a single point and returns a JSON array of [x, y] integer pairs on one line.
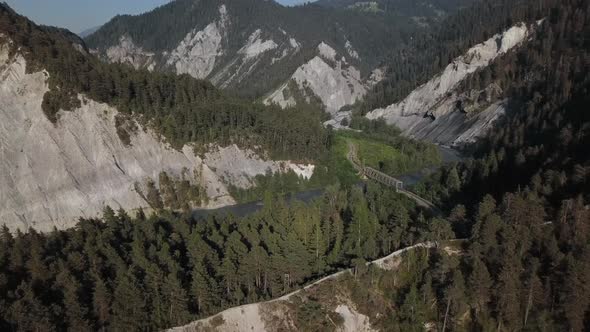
[[393, 155], [389, 153], [373, 153]]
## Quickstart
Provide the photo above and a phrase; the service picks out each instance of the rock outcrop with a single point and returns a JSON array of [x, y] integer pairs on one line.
[[327, 78], [197, 53], [439, 112], [128, 53], [210, 52]]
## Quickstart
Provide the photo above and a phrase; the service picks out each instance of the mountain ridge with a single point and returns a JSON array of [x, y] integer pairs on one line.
[[367, 36]]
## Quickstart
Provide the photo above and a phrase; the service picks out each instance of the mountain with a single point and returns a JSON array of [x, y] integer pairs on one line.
[[256, 48], [88, 32], [424, 90], [442, 111], [79, 134], [521, 203], [405, 7]]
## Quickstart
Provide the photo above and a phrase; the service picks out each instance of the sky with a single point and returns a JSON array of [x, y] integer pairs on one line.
[[79, 15]]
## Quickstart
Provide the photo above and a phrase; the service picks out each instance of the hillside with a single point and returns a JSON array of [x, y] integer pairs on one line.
[[522, 203], [115, 136], [442, 111], [329, 304], [255, 47]]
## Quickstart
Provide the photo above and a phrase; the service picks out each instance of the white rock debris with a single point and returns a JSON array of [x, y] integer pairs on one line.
[[256, 46], [244, 318], [128, 53], [282, 96], [354, 321], [238, 167], [294, 43], [196, 55], [351, 51], [303, 171], [430, 112], [289, 48], [247, 60], [377, 75], [337, 118], [327, 52], [336, 85]]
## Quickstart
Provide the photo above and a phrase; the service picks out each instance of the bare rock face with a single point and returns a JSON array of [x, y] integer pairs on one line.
[[250, 57], [207, 53], [437, 111], [128, 53], [333, 81], [52, 174], [197, 53], [239, 167]]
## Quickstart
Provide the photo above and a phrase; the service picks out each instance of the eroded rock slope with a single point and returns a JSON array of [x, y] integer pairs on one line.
[[439, 111], [327, 78]]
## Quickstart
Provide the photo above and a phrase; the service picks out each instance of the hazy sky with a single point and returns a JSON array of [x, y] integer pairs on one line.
[[78, 15]]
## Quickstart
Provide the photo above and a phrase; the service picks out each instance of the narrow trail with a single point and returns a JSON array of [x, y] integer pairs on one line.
[[387, 180]]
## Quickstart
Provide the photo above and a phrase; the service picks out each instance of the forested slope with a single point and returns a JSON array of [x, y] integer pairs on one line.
[[430, 51], [523, 201], [181, 108], [522, 204], [161, 271]]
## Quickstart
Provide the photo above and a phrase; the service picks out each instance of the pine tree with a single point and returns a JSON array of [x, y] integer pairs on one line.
[[480, 286], [101, 304], [129, 305], [453, 181]]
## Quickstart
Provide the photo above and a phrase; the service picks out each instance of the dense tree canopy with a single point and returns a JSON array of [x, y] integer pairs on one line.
[[152, 273]]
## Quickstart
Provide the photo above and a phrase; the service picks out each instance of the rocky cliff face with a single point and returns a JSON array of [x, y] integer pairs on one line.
[[52, 174], [197, 53], [127, 52], [280, 314], [328, 78], [439, 112], [255, 48]]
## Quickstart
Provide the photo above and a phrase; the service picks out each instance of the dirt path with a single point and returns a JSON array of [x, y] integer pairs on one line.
[[248, 311]]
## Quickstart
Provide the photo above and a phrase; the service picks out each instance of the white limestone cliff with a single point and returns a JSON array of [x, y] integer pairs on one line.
[[430, 112], [128, 53], [334, 82], [196, 55]]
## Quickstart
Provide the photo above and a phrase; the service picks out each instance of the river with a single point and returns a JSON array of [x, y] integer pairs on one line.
[[448, 156]]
